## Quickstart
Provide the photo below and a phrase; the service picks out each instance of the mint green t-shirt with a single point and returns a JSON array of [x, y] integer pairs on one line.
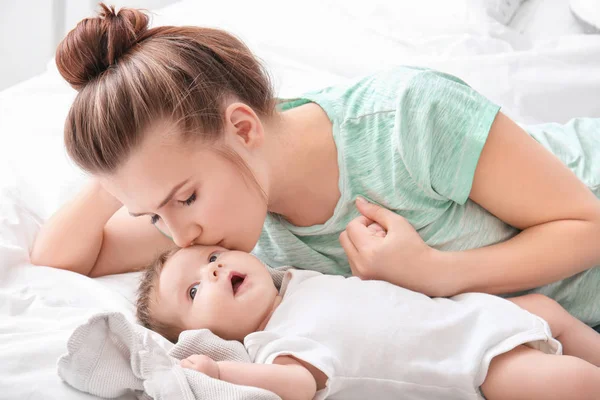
[[409, 139]]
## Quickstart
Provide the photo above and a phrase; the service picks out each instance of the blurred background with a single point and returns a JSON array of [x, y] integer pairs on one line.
[[31, 29]]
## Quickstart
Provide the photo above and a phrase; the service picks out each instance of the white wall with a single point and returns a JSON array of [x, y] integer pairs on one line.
[[26, 38], [78, 9], [31, 29]]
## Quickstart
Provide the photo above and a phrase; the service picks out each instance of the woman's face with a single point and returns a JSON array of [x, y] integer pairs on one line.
[[190, 192]]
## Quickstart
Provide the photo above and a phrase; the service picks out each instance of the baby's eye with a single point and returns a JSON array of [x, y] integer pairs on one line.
[[154, 219], [213, 257], [193, 291]]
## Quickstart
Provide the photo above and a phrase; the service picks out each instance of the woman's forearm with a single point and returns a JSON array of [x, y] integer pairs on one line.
[[537, 256], [72, 238], [526, 186]]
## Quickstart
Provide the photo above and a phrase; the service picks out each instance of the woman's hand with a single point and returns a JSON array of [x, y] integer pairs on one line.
[[382, 245], [203, 364]]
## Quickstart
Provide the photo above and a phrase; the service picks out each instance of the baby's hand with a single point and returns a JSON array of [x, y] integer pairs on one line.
[[377, 229], [203, 364]]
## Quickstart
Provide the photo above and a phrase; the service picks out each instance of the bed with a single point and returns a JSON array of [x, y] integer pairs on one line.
[[531, 58]]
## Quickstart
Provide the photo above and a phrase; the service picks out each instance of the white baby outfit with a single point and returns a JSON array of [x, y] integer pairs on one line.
[[374, 340]]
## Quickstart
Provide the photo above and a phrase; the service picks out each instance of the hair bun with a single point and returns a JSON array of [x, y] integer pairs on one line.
[[96, 43]]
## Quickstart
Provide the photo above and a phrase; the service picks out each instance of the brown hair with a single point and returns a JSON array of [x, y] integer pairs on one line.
[[128, 76], [146, 298]]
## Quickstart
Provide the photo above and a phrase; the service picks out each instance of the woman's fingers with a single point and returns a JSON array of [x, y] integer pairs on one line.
[[359, 233], [375, 213], [351, 253]]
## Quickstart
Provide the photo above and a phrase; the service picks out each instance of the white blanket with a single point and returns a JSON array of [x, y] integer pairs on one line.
[[111, 357]]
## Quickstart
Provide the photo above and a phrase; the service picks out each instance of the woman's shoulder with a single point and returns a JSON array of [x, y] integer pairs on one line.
[[373, 93], [377, 82]]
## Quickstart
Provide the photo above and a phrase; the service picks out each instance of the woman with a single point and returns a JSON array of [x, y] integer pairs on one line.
[[179, 125]]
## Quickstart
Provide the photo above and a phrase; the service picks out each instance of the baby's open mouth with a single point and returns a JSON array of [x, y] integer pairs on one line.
[[237, 280]]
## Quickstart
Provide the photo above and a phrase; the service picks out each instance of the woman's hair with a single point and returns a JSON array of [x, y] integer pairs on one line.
[[129, 76], [146, 297]]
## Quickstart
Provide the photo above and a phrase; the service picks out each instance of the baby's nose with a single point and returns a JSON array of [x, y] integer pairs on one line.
[[216, 272]]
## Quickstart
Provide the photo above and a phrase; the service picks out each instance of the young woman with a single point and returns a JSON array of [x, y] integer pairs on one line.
[[180, 129]]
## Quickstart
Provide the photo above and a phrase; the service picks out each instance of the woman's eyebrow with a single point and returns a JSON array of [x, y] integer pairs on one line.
[[165, 201]]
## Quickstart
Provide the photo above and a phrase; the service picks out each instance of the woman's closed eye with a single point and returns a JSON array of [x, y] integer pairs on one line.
[[193, 290], [188, 202]]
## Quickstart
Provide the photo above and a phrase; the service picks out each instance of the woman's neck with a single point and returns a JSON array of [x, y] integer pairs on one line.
[[304, 171]]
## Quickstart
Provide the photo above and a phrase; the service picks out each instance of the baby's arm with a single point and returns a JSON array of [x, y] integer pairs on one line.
[[286, 377]]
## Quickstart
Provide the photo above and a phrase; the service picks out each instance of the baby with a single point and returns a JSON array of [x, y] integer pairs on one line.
[[324, 336]]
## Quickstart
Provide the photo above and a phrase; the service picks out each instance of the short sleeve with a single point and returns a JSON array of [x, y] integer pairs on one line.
[[264, 347], [441, 128]]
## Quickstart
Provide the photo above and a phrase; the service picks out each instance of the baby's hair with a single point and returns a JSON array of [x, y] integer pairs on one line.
[[146, 297]]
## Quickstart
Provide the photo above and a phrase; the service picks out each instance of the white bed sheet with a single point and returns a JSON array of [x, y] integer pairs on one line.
[[314, 45], [541, 20]]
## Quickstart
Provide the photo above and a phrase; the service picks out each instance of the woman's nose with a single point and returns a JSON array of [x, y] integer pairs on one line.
[[181, 241], [185, 237]]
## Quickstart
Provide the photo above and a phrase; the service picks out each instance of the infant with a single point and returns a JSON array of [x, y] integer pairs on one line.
[[331, 337]]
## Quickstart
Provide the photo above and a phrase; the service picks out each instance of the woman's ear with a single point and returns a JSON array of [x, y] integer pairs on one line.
[[242, 123]]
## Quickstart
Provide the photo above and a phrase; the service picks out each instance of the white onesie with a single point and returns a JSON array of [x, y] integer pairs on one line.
[[375, 340]]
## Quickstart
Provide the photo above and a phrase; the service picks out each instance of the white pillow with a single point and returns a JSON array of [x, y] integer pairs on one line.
[[349, 38], [587, 12], [430, 17], [502, 11]]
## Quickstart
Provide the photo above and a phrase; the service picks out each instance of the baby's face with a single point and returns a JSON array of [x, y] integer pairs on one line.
[[229, 292]]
